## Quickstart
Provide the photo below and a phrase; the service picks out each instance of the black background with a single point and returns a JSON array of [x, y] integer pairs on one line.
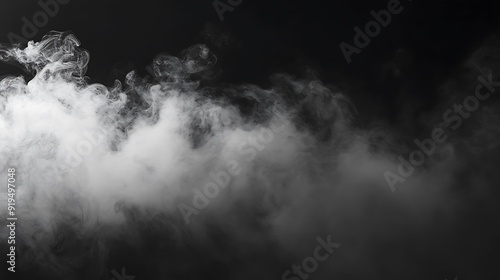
[[402, 68], [266, 37]]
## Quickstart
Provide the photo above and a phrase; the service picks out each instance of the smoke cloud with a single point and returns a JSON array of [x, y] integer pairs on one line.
[[101, 173]]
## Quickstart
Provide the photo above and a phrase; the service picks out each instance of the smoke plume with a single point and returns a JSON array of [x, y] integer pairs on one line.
[[109, 177]]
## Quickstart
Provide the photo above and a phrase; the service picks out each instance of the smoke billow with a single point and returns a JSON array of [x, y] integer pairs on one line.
[[110, 177]]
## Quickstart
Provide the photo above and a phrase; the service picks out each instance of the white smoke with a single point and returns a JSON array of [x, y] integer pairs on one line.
[[98, 166]]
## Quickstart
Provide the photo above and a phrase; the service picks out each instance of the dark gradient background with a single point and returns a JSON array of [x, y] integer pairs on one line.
[[280, 36], [396, 80]]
